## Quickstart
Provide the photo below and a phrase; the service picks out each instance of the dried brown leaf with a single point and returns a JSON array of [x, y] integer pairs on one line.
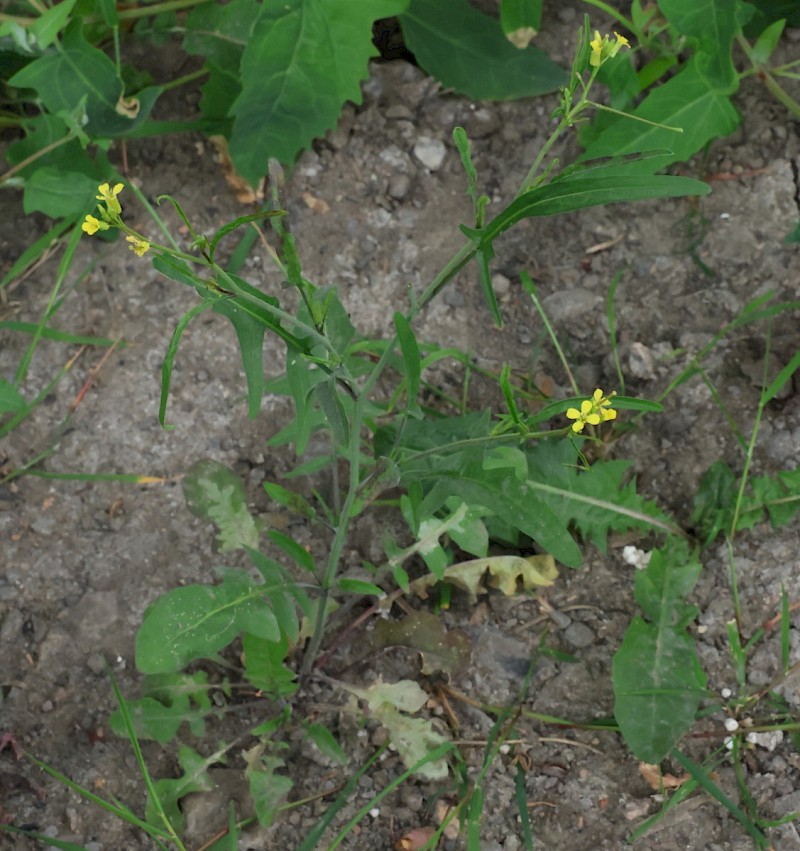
[[415, 839], [656, 780]]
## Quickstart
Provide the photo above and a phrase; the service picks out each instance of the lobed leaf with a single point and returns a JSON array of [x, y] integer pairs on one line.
[[214, 493], [656, 675], [302, 61], [196, 621], [658, 686]]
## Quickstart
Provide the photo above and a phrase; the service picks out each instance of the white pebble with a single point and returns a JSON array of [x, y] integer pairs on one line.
[[430, 152], [769, 740], [729, 743], [374, 812], [635, 557], [726, 693], [731, 725]]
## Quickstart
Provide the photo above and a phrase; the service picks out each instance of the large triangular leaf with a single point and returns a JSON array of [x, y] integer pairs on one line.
[[220, 34], [690, 100], [712, 26], [468, 51], [304, 59]]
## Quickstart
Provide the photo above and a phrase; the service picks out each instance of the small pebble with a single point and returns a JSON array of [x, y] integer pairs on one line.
[[579, 635], [430, 152]]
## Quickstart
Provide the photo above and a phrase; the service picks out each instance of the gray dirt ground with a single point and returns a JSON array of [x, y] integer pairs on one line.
[[82, 560]]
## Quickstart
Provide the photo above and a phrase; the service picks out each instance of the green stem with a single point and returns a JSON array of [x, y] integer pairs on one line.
[[148, 11], [343, 525], [186, 78], [612, 12], [766, 75], [35, 156]]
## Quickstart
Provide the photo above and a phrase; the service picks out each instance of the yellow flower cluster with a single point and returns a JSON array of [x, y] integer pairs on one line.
[[110, 211], [592, 411], [604, 48]]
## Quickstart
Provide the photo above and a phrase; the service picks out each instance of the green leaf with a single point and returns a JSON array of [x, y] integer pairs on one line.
[[299, 554], [265, 667], [250, 332], [779, 494], [689, 100], [767, 42], [580, 191], [521, 20], [470, 533], [323, 739], [168, 703], [358, 586], [411, 361], [58, 193], [596, 501], [196, 621], [47, 26], [11, 400], [219, 34], [267, 788], [467, 51], [78, 70], [712, 26], [285, 594], [329, 398], [658, 686], [169, 791], [214, 493], [289, 499], [303, 60], [713, 501], [656, 675], [659, 590]]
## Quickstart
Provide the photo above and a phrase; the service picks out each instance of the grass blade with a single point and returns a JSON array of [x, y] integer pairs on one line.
[[705, 782]]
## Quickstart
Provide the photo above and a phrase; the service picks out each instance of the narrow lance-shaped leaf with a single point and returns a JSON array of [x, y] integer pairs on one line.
[[579, 192]]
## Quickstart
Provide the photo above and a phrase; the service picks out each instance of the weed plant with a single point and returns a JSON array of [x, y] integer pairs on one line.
[[532, 475]]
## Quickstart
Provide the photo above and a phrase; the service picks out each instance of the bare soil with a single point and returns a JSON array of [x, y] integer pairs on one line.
[[81, 560]]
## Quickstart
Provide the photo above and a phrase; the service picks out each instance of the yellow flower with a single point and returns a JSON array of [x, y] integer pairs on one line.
[[592, 411], [109, 195], [139, 246], [597, 49], [604, 48], [92, 225]]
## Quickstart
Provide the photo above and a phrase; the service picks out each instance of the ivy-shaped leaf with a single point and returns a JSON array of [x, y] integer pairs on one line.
[[79, 70], [303, 60]]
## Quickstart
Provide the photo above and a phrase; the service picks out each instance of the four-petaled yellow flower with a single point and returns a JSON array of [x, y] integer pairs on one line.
[[92, 225], [592, 411], [139, 246], [604, 48], [109, 195]]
